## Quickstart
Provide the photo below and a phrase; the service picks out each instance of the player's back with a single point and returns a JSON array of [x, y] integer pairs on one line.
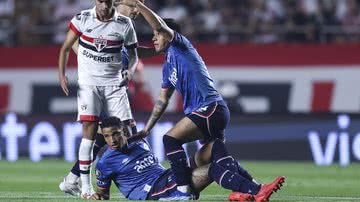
[[186, 70], [134, 170]]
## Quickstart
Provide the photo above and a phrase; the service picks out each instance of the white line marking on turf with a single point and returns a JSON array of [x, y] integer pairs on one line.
[[320, 197]]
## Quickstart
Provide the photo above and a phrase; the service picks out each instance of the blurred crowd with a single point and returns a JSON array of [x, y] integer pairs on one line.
[[35, 22]]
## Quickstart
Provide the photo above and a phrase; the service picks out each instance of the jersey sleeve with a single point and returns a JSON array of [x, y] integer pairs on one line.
[[75, 24], [103, 175], [178, 40], [165, 77], [130, 37]]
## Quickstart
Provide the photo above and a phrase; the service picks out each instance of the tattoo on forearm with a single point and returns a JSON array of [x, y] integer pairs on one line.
[[158, 110]]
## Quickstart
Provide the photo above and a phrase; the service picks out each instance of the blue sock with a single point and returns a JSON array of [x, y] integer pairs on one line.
[[232, 180], [177, 157], [99, 143], [221, 156]]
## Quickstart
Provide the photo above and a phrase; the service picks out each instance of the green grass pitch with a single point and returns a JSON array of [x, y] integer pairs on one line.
[[27, 181]]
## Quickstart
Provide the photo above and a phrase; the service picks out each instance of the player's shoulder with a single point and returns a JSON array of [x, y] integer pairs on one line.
[[180, 41], [83, 14], [122, 19]]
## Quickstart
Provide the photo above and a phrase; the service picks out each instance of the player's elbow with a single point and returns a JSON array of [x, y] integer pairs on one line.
[[65, 49]]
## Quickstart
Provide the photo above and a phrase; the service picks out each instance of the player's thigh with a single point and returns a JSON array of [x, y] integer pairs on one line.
[[89, 103], [186, 131], [117, 103]]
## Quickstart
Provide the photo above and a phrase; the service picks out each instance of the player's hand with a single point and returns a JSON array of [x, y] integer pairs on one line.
[[64, 84], [138, 136], [126, 75], [97, 196]]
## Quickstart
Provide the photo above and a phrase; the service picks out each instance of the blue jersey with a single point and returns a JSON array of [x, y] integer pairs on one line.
[[185, 71], [133, 171], [125, 58]]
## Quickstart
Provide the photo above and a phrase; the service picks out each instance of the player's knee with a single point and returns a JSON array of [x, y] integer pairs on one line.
[[89, 129]]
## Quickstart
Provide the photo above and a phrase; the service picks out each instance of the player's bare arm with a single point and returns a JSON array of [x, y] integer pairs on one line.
[[101, 194], [70, 39], [75, 47], [159, 108], [133, 60], [152, 18]]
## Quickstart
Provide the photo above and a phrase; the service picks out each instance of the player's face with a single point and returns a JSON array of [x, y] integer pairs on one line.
[[115, 137], [103, 7], [160, 42]]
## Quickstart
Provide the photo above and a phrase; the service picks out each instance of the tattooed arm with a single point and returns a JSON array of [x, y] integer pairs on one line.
[[159, 108]]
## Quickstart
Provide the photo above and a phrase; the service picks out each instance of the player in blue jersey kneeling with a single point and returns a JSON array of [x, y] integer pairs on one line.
[[206, 113]]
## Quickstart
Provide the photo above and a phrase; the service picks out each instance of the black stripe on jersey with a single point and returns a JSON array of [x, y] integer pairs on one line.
[[84, 172], [132, 46], [104, 50]]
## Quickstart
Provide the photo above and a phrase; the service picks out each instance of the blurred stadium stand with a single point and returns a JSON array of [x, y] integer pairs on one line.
[[35, 22]]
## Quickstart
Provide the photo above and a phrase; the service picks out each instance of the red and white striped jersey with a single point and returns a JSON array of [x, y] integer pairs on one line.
[[100, 44]]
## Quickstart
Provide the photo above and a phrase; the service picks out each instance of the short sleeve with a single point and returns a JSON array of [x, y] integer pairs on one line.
[[103, 175], [179, 41], [75, 24], [165, 79], [130, 37]]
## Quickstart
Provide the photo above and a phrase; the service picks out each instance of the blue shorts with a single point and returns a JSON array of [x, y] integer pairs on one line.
[[212, 120], [163, 187]]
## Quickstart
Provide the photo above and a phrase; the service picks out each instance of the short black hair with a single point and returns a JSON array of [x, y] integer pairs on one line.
[[171, 23], [111, 121]]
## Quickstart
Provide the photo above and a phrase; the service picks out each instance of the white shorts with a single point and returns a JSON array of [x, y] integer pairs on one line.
[[97, 102]]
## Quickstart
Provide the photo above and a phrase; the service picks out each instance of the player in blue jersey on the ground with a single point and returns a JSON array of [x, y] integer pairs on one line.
[[206, 114], [139, 176]]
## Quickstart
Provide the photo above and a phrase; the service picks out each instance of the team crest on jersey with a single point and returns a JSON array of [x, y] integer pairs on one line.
[[83, 107], [100, 43]]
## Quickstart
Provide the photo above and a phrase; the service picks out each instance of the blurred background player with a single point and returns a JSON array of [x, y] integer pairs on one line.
[[70, 184], [102, 33], [139, 176], [206, 113]]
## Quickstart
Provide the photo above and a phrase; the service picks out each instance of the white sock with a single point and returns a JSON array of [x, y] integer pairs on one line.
[[71, 178], [85, 156], [184, 188]]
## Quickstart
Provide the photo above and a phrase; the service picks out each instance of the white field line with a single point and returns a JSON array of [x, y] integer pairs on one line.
[[50, 195]]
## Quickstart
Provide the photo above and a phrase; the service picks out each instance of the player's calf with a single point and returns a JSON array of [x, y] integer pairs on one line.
[[178, 161]]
